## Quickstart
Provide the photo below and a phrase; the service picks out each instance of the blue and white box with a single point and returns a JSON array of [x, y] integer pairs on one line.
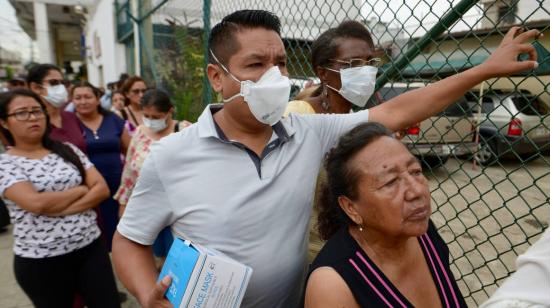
[[203, 278]]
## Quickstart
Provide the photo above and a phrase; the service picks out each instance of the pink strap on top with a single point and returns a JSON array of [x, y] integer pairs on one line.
[[373, 271], [370, 283]]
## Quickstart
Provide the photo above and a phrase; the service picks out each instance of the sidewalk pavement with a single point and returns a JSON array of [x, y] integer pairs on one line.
[[11, 295]]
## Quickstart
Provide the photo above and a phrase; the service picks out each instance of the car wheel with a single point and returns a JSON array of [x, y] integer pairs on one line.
[[433, 162], [486, 154]]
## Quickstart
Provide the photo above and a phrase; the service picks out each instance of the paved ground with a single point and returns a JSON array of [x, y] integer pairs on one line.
[[11, 295], [487, 216]]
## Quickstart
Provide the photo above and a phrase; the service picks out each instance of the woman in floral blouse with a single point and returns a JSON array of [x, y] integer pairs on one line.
[[157, 123]]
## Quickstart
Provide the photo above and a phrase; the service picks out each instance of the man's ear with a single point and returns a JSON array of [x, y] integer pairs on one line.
[[214, 73], [350, 208]]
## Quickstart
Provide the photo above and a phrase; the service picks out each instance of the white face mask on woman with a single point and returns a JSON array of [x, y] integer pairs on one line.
[[155, 125], [57, 95], [358, 83], [267, 98]]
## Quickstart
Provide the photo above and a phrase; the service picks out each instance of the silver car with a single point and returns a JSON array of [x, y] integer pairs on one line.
[[512, 124], [437, 138]]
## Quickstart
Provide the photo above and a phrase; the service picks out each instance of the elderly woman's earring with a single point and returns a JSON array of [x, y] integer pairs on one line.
[[360, 228], [325, 104]]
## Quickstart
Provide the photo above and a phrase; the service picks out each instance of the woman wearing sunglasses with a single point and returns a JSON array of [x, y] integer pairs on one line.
[[50, 189], [133, 90], [46, 80]]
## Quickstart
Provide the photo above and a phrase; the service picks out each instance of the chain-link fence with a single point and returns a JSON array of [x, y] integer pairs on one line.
[[484, 156]]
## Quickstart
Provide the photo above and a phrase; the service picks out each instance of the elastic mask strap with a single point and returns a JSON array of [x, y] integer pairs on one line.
[[223, 67], [332, 70], [227, 100], [337, 91]]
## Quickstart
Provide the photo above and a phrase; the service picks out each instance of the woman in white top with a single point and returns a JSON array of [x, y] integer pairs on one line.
[[50, 189]]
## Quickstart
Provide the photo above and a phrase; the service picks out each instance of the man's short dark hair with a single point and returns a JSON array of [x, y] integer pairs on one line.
[[222, 41]]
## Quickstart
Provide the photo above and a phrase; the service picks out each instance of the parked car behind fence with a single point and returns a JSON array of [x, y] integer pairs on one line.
[[435, 139], [512, 124]]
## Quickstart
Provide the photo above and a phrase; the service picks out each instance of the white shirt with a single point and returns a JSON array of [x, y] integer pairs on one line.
[[219, 194], [40, 236], [529, 286]]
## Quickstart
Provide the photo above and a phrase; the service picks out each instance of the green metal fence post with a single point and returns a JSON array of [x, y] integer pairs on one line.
[[446, 21], [148, 53], [206, 90]]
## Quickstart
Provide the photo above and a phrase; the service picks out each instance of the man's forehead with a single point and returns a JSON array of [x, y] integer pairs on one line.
[[265, 53], [259, 42]]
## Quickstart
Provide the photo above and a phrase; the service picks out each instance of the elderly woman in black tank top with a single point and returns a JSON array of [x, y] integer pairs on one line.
[[382, 248]]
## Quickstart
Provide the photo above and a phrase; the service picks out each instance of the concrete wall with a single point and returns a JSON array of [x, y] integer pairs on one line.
[[105, 57]]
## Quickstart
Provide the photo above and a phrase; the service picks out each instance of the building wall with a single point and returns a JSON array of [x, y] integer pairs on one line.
[[303, 20], [105, 57], [531, 10]]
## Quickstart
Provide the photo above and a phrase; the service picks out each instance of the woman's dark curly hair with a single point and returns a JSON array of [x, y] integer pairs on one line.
[[343, 177]]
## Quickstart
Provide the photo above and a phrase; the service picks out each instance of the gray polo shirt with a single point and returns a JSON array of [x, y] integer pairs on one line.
[[220, 194]]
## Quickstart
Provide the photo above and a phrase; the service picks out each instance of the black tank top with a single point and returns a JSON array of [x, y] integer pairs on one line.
[[369, 285]]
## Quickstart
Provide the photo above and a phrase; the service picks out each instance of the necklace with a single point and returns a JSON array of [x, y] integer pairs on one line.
[[96, 123]]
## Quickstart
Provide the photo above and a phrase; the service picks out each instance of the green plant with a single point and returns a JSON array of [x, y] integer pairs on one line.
[[179, 64]]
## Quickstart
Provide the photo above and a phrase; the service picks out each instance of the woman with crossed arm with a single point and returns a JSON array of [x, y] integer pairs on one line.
[[50, 189]]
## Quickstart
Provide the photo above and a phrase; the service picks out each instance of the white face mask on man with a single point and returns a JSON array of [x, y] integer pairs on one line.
[[267, 98], [57, 95], [358, 83]]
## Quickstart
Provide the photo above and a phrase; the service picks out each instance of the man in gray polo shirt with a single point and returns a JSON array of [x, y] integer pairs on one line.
[[241, 180]]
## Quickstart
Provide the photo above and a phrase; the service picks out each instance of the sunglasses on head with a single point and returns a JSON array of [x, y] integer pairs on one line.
[[138, 91]]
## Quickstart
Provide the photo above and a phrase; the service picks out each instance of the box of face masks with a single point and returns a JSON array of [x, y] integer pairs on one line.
[[203, 278]]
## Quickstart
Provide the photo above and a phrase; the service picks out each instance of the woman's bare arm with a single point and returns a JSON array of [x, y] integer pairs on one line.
[[44, 203], [326, 289], [98, 191]]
